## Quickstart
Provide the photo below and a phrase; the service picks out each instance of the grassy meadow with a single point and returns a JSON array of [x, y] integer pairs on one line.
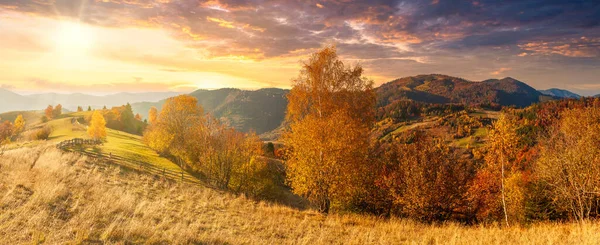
[[51, 197], [128, 147]]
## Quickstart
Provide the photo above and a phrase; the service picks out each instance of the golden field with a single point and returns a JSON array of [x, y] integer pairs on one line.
[[51, 197]]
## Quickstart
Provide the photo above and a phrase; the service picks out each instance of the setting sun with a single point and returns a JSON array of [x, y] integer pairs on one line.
[[73, 39]]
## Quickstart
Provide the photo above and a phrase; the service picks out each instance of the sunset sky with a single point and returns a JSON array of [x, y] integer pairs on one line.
[[105, 46]]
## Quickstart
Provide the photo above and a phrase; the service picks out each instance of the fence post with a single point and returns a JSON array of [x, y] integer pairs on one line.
[[182, 175]]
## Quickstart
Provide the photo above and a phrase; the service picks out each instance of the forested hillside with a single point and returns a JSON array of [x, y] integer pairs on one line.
[[443, 89], [261, 111]]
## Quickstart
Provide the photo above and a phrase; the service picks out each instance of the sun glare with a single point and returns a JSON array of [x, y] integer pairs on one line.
[[73, 39]]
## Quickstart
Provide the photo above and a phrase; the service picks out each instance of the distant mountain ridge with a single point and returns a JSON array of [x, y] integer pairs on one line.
[[561, 93], [263, 110], [15, 102], [437, 88]]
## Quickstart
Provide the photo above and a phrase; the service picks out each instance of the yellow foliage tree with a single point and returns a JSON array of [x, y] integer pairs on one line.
[[228, 158], [152, 115], [18, 125], [570, 162], [175, 130], [330, 112], [97, 128], [502, 147]]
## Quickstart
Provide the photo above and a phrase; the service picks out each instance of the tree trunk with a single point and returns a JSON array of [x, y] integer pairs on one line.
[[325, 205], [503, 198]]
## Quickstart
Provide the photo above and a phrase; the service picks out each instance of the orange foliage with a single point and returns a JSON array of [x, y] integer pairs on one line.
[[152, 115], [330, 112], [49, 112]]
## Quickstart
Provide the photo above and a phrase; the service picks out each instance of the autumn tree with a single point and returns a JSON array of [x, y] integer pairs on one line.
[[497, 184], [79, 109], [6, 130], [128, 118], [176, 129], [251, 172], [138, 117], [330, 112], [570, 162], [18, 125], [57, 111], [97, 128], [49, 112], [425, 179], [227, 153], [152, 115]]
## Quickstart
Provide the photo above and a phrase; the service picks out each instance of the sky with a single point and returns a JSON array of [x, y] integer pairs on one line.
[[105, 46]]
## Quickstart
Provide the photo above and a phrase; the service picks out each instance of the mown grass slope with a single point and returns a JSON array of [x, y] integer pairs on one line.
[[51, 197]]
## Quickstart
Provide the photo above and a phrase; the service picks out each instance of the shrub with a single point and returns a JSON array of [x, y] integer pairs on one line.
[[41, 134]]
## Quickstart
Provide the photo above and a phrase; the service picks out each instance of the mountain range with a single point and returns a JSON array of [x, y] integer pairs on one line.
[[561, 93], [15, 102], [263, 110]]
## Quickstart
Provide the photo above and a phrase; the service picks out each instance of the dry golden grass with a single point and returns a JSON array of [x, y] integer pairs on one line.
[[62, 198]]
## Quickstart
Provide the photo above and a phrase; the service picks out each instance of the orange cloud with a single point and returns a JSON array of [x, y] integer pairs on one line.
[[221, 22], [231, 24], [225, 7], [500, 71], [582, 47]]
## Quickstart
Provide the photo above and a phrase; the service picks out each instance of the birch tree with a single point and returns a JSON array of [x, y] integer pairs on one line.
[[330, 112]]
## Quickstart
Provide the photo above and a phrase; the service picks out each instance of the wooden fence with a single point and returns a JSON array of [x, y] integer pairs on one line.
[[141, 166], [77, 141]]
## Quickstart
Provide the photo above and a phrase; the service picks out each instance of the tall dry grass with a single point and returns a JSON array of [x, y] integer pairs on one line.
[[56, 198]]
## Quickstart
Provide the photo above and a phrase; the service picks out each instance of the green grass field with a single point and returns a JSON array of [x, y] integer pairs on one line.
[[128, 147], [131, 147], [485, 114], [64, 129], [472, 141]]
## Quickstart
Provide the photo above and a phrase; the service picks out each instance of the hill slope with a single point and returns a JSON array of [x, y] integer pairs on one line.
[[447, 89], [51, 197], [560, 93], [261, 110]]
